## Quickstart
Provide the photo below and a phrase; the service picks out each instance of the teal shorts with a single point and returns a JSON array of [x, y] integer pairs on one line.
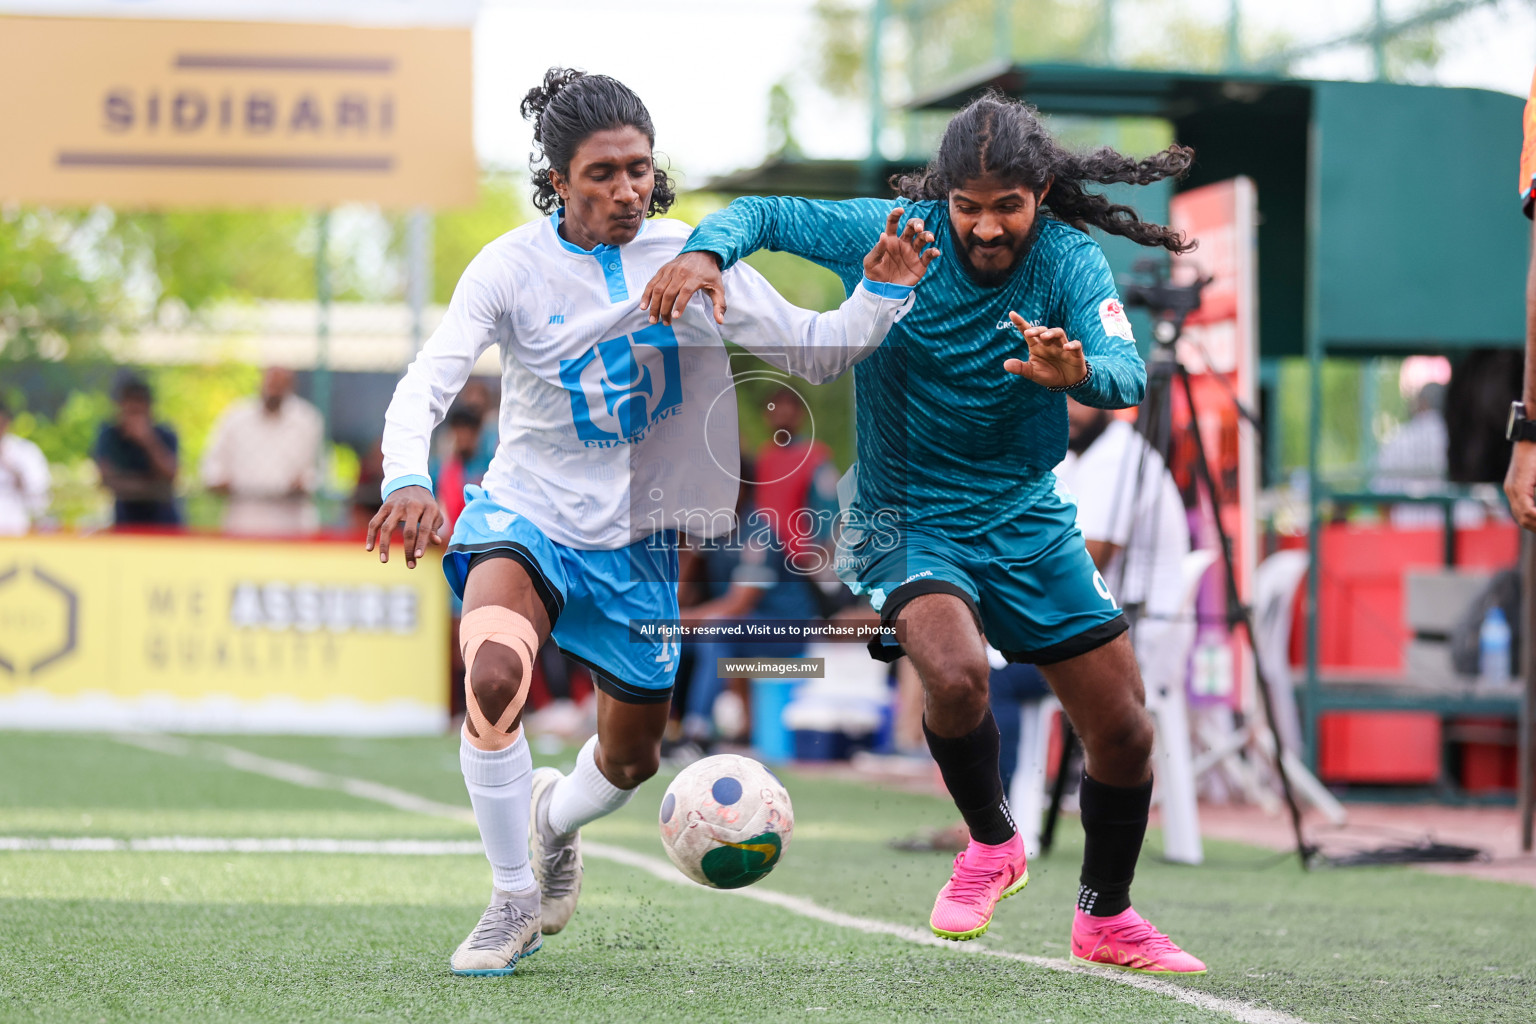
[[1030, 584]]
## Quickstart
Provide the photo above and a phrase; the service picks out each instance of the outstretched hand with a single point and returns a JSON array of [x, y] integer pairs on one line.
[[667, 294], [417, 512], [1054, 360], [900, 258]]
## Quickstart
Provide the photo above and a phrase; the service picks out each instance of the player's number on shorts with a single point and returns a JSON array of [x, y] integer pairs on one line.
[[1103, 589], [669, 652]]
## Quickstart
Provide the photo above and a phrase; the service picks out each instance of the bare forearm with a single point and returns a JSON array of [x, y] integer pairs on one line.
[[162, 461], [1102, 552], [163, 464]]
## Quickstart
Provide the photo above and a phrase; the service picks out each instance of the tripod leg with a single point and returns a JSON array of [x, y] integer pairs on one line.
[[1242, 614], [1307, 785], [1059, 787]]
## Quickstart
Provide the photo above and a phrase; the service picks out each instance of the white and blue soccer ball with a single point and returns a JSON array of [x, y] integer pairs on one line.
[[726, 821]]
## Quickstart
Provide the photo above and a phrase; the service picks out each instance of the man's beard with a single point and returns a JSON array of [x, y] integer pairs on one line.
[[1083, 439], [994, 278]]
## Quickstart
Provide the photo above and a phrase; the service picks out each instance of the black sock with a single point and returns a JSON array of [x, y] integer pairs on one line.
[[1114, 824], [969, 766]]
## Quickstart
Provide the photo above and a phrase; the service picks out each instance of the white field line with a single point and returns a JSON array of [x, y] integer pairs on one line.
[[301, 775], [203, 844]]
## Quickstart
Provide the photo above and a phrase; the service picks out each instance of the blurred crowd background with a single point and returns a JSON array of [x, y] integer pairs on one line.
[[178, 386]]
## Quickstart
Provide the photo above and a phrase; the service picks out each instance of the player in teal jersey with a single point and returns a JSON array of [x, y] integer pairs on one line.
[[953, 521]]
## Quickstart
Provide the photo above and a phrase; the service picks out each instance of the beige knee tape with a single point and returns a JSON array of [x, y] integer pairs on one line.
[[508, 628]]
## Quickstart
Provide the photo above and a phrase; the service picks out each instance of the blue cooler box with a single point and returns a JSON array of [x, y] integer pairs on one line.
[[770, 697]]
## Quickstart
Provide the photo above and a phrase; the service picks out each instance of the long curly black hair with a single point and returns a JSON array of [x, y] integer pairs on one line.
[[1002, 137], [567, 108]]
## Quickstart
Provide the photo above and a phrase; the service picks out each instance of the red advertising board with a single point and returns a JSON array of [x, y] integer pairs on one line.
[[1220, 348]]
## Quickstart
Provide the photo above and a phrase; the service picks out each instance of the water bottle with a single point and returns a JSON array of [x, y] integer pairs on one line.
[[1493, 648]]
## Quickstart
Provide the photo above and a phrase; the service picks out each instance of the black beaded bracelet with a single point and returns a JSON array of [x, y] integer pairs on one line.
[[1073, 387]]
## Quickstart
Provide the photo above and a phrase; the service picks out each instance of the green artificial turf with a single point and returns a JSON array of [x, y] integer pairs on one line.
[[140, 936]]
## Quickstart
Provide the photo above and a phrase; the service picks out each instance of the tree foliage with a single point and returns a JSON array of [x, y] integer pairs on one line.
[[457, 235], [56, 297], [781, 122], [842, 40], [199, 257]]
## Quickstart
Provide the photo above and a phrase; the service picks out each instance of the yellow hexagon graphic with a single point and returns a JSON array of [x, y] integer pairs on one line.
[[39, 622]]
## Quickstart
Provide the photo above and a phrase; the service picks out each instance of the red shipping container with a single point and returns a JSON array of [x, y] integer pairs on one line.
[[1400, 747]]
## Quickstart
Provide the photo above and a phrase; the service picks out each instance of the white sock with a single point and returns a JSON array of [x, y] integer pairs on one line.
[[585, 794], [500, 784]]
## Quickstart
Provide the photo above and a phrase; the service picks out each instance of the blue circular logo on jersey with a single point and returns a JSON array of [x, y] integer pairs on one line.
[[726, 791], [668, 805]]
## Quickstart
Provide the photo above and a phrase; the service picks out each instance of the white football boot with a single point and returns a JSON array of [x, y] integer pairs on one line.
[[507, 932], [556, 858]]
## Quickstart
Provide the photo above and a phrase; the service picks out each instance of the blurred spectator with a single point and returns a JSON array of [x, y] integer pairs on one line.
[[265, 456], [463, 465], [1415, 457], [476, 399], [1137, 532], [1417, 450], [24, 479], [795, 476], [750, 577], [368, 493], [138, 461]]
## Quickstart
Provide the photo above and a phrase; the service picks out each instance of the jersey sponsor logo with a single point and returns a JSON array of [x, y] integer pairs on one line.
[[623, 386], [1112, 316]]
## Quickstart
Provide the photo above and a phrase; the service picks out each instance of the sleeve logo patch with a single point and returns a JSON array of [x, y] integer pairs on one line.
[[1112, 316]]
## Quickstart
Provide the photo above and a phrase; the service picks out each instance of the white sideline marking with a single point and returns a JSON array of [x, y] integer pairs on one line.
[[297, 774], [1240, 1011], [202, 844], [301, 775]]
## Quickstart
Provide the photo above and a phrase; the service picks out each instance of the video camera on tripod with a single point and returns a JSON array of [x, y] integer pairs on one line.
[[1170, 304]]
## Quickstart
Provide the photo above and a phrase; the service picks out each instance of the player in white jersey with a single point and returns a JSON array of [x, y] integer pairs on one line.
[[616, 434]]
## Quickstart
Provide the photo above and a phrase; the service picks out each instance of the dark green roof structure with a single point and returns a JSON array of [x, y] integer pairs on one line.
[[1389, 219]]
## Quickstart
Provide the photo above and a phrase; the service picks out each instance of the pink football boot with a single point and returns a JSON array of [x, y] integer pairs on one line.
[[1128, 942], [982, 876]]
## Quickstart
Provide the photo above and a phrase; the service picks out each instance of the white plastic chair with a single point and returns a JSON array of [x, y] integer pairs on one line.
[[1275, 581], [1162, 665], [1274, 596], [1164, 660]]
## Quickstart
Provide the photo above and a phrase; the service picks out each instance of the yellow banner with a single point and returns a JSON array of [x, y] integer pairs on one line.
[[182, 632], [187, 113]]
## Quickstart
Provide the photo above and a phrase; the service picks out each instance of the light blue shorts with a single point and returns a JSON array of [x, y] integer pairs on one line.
[[592, 597]]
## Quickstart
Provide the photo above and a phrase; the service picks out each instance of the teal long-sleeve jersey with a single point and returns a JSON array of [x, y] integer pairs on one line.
[[946, 437]]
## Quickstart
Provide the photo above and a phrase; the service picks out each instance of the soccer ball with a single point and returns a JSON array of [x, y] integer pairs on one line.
[[725, 821]]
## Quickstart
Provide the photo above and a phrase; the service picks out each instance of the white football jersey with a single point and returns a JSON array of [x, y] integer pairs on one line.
[[612, 427]]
